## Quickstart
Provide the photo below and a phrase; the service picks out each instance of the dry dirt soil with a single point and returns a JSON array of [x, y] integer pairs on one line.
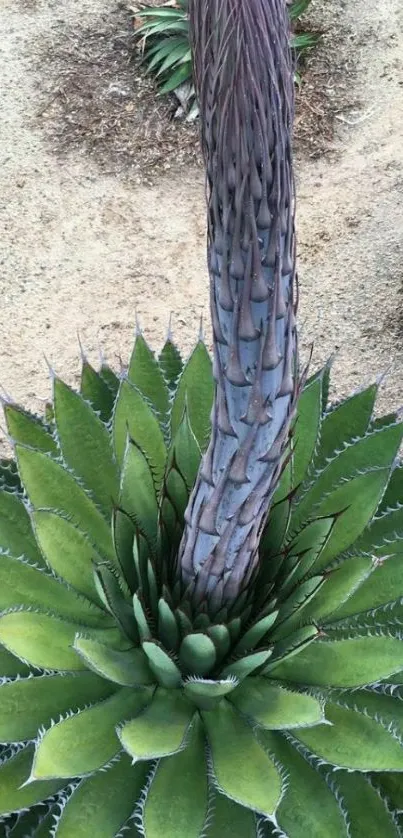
[[96, 225]]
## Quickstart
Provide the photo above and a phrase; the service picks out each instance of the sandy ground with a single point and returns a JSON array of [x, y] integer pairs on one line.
[[81, 249]]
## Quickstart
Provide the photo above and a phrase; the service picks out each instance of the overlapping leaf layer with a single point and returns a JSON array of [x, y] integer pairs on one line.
[[126, 709]]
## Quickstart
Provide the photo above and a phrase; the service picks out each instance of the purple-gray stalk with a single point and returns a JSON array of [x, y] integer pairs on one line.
[[244, 78]]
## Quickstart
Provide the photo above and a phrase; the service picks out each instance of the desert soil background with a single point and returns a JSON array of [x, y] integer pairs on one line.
[[84, 244]]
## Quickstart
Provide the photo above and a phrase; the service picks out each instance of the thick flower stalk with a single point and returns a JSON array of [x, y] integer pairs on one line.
[[244, 77]]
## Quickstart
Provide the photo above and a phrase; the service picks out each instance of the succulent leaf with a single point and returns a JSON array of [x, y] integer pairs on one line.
[[16, 535], [67, 550], [275, 708], [161, 729], [86, 446], [104, 801], [338, 586], [29, 430], [146, 375], [14, 772], [307, 425], [163, 666], [171, 363], [87, 740], [320, 813], [242, 769], [22, 584], [41, 640], [195, 392], [127, 667], [134, 417], [228, 816], [367, 813], [352, 662], [378, 588], [177, 802], [28, 703], [50, 486], [354, 741], [347, 421], [97, 392]]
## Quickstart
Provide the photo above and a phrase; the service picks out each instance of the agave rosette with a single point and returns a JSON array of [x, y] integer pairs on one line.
[[126, 708]]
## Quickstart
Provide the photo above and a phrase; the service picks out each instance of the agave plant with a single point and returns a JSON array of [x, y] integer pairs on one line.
[[163, 35], [201, 563]]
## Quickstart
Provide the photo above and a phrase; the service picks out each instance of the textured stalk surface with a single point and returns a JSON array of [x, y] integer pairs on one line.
[[244, 76]]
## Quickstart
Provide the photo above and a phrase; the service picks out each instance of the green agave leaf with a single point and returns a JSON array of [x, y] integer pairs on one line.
[[95, 390], [68, 551], [240, 669], [366, 811], [195, 390], [391, 785], [339, 585], [141, 618], [21, 584], [308, 806], [10, 666], [146, 375], [351, 663], [161, 729], [185, 453], [289, 613], [303, 554], [307, 426], [127, 667], [197, 654], [134, 417], [31, 823], [40, 640], [376, 450], [9, 477], [273, 538], [394, 492], [124, 534], [384, 706], [86, 741], [207, 694], [168, 629], [13, 773], [232, 819], [137, 493], [255, 633], [16, 534], [177, 802], [114, 596], [221, 638], [111, 379], [271, 706], [383, 534], [353, 740], [170, 362], [50, 486], [359, 498], [103, 802], [377, 589], [291, 646], [346, 421], [163, 667], [242, 769], [86, 445], [28, 704], [28, 429]]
